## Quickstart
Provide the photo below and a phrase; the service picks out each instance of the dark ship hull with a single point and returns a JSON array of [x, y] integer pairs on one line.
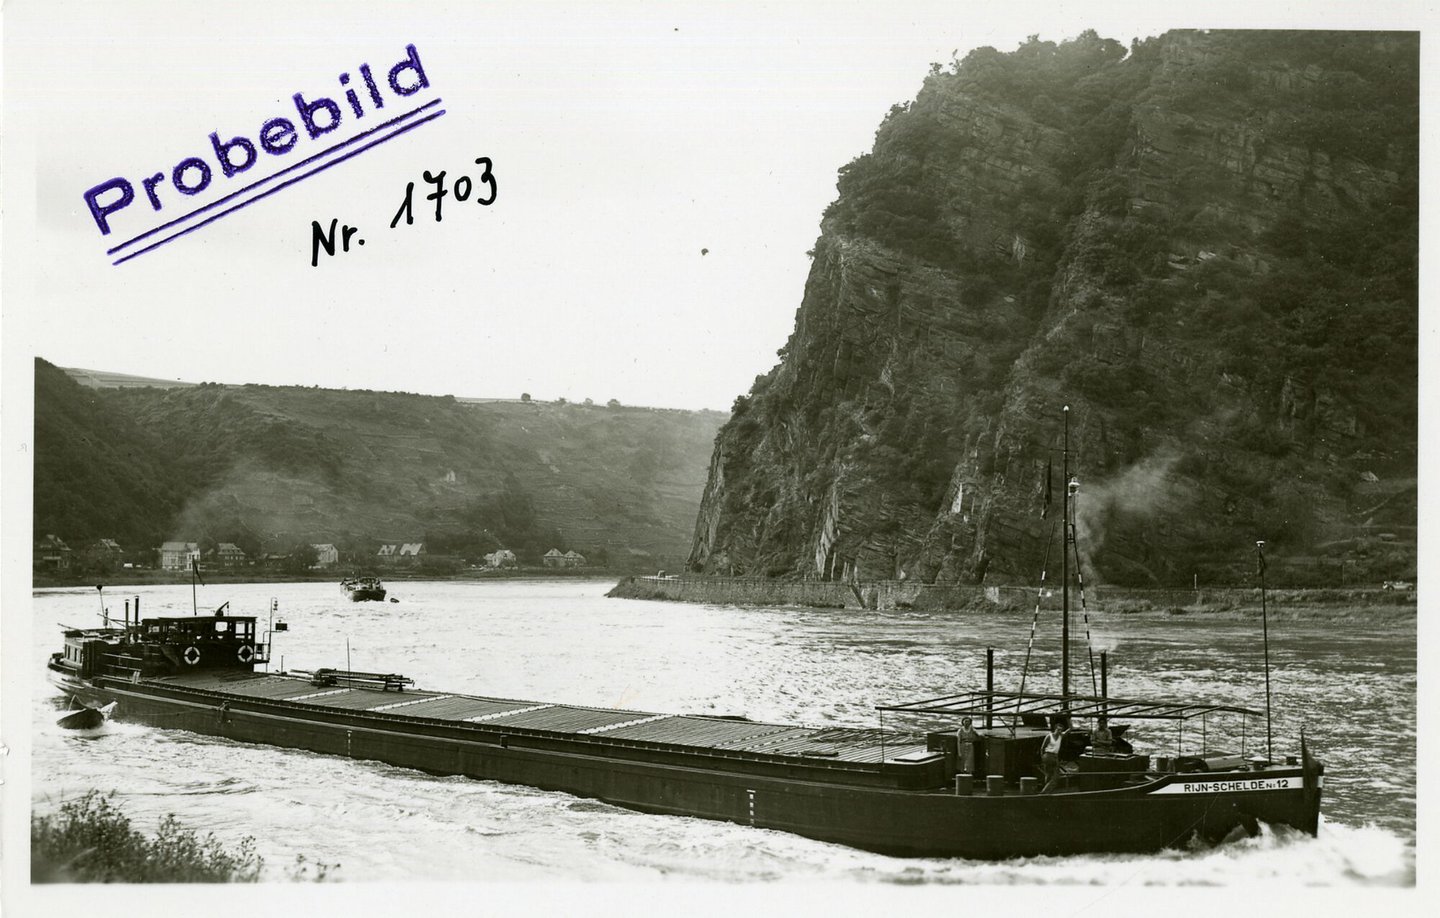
[[836, 785], [86, 718]]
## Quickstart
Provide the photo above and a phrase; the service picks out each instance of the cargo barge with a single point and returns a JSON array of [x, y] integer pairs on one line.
[[363, 589], [894, 791], [943, 788]]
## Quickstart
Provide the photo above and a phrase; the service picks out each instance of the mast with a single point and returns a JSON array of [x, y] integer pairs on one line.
[[1265, 630], [1065, 541]]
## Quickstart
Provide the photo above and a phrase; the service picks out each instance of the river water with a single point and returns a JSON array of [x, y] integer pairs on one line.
[[1352, 685]]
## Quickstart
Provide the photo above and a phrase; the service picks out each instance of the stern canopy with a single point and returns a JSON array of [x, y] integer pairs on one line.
[[1020, 705]]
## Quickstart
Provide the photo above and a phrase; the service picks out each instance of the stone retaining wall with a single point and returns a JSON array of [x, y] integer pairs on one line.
[[899, 594]]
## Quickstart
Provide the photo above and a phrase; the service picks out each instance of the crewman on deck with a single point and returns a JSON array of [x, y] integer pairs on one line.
[[965, 740], [1050, 754], [1101, 739]]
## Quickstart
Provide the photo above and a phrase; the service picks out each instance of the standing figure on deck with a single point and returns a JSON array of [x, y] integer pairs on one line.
[[1050, 755], [965, 740]]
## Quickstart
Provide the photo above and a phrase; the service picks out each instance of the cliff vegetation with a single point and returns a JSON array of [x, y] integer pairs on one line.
[[1205, 243]]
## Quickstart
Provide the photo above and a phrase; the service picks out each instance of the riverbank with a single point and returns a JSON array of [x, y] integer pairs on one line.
[[1240, 602], [251, 575]]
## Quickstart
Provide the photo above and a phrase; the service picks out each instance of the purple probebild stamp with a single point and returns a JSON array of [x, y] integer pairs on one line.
[[229, 171]]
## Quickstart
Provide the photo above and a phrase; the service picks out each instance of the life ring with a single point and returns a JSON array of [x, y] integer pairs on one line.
[[192, 655], [246, 653]]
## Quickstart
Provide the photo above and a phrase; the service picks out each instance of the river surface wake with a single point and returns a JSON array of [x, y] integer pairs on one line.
[[1353, 689]]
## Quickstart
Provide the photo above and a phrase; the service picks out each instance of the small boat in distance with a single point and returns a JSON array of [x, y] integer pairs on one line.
[[363, 589]]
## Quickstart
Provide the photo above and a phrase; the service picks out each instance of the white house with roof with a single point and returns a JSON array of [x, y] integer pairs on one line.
[[326, 555], [401, 552], [178, 556]]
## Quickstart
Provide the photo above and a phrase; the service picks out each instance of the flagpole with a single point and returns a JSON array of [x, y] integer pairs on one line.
[[1265, 631], [194, 572]]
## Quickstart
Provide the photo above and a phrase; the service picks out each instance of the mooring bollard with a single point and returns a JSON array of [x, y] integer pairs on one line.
[[964, 785], [1029, 785], [995, 785]]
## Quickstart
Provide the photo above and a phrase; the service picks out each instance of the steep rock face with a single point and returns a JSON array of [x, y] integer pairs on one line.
[[1205, 246]]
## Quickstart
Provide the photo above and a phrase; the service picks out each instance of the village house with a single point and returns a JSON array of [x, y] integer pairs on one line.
[[401, 552], [177, 556], [230, 555], [555, 558], [502, 558], [104, 554], [52, 554], [326, 555]]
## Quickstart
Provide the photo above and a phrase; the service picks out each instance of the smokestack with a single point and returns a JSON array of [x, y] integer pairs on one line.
[[989, 687]]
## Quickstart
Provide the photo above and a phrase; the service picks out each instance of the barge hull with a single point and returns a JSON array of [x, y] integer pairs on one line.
[[889, 820]]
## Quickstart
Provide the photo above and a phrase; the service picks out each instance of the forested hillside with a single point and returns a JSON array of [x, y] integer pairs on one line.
[[97, 473], [267, 467]]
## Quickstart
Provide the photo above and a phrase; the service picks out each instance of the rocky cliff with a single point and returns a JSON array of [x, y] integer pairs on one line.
[[1205, 245]]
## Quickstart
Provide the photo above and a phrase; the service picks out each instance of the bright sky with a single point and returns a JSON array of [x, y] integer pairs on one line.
[[627, 139]]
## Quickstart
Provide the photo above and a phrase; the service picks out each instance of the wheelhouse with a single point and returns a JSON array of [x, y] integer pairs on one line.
[[206, 630], [163, 646]]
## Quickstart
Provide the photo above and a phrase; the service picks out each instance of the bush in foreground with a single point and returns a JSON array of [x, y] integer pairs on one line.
[[91, 841]]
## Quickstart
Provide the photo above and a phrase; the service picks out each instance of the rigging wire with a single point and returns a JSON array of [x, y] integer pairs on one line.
[[1039, 595]]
